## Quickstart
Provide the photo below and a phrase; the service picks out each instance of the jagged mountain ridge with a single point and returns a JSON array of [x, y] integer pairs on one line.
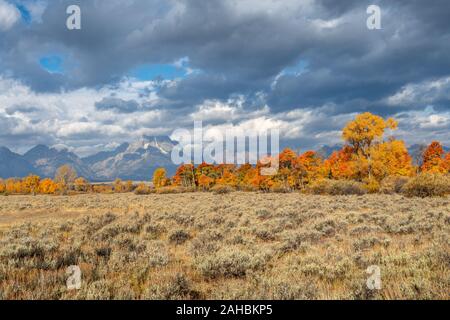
[[47, 160], [13, 164], [133, 161]]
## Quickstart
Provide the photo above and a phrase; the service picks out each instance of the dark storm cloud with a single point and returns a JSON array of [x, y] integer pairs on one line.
[[240, 50], [244, 48], [356, 68], [117, 105], [116, 37], [196, 88]]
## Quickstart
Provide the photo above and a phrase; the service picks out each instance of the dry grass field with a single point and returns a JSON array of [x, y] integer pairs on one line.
[[231, 246]]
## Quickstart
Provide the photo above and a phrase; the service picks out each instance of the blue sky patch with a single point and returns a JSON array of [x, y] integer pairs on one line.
[[26, 15], [52, 63], [297, 69], [155, 71]]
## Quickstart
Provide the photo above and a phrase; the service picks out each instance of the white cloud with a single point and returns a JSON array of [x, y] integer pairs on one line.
[[421, 94], [70, 119], [326, 24], [36, 9], [9, 15]]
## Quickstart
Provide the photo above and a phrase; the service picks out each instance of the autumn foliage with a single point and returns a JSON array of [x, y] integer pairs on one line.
[[371, 159], [434, 159]]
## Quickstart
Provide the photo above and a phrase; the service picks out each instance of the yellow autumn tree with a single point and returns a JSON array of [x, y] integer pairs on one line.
[[30, 184], [119, 187], [10, 185], [65, 177], [159, 178], [2, 186], [391, 158], [362, 134], [47, 186], [204, 182], [81, 184], [447, 162], [129, 186]]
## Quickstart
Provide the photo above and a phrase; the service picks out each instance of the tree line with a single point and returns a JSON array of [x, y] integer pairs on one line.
[[370, 155]]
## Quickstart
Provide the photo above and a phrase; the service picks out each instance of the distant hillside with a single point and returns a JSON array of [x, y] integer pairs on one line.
[[13, 164], [47, 160], [134, 161], [129, 161], [325, 151]]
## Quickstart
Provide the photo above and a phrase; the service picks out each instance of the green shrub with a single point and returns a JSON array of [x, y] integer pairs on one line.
[[337, 187], [427, 185]]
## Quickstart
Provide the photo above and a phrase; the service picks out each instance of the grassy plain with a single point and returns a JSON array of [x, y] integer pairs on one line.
[[230, 246]]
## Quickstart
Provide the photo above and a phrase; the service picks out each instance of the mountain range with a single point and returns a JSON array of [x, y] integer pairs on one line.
[[129, 161]]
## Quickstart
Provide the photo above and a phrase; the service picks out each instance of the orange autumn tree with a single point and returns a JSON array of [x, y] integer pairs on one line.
[[285, 177], [185, 176], [433, 159], [245, 175], [340, 165], [205, 182], [2, 186], [261, 179], [227, 175], [447, 162], [205, 175], [47, 186], [310, 167]]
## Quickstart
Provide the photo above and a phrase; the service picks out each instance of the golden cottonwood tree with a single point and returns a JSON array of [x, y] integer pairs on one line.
[[81, 184], [31, 184], [47, 186], [362, 134], [391, 158], [65, 176], [159, 178]]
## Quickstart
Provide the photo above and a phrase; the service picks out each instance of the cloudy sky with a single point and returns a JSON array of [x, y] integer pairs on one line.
[[148, 67]]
